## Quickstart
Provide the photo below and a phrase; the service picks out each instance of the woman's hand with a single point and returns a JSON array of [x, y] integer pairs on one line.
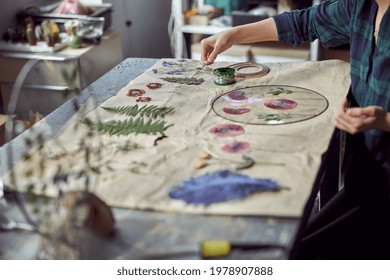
[[213, 46], [264, 30], [355, 120]]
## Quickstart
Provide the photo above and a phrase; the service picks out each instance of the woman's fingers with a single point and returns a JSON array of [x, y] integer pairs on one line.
[[355, 120]]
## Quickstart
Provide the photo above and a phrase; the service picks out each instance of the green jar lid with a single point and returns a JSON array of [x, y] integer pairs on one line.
[[224, 71]]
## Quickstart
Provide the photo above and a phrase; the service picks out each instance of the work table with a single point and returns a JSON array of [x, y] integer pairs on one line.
[[143, 234]]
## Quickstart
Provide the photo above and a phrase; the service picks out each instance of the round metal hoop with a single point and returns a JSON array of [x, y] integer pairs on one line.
[[263, 69]]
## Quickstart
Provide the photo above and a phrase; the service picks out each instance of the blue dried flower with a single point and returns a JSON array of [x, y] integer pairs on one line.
[[220, 186], [175, 72], [168, 63]]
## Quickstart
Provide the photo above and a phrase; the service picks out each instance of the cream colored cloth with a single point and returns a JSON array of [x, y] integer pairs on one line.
[[132, 172]]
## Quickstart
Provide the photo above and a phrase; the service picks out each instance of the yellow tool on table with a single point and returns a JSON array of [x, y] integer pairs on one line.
[[208, 249], [219, 248]]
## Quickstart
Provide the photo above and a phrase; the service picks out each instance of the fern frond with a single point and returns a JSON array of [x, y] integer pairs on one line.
[[129, 126], [151, 111], [186, 80]]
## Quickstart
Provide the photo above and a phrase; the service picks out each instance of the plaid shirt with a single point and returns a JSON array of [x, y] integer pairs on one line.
[[338, 22]]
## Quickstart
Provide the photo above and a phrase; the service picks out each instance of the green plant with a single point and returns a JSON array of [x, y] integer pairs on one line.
[[186, 80], [274, 117], [128, 126], [151, 111], [279, 90]]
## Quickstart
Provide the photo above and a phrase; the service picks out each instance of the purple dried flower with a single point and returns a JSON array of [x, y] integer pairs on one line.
[[220, 186]]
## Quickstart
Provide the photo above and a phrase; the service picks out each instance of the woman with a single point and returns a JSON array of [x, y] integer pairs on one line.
[[354, 223]]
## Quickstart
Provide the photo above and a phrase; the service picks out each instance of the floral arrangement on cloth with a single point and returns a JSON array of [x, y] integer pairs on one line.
[[73, 7]]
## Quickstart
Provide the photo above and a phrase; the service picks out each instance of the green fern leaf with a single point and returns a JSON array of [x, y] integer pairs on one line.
[[151, 111], [128, 126]]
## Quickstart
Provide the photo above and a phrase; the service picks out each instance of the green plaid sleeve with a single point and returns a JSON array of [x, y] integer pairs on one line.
[[330, 22]]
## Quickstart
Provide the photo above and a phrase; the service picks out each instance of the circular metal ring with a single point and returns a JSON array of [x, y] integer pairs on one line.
[[263, 69]]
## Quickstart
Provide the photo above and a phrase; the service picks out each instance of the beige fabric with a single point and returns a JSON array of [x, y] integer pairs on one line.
[[142, 177]]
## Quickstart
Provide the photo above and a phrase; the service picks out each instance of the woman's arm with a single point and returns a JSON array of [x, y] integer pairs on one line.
[[330, 21], [261, 31]]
